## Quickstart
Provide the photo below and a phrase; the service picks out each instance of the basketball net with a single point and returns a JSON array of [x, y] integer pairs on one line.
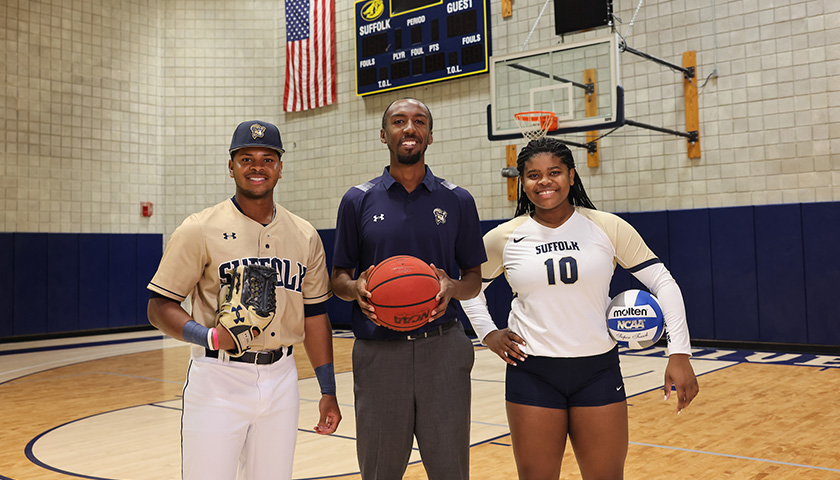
[[536, 124]]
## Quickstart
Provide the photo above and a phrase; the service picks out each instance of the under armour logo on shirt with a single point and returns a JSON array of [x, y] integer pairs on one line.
[[379, 217], [229, 236]]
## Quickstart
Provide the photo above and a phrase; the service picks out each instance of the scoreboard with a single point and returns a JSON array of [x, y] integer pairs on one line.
[[404, 43]]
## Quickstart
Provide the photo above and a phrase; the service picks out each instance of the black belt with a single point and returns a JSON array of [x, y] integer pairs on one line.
[[257, 358], [438, 330]]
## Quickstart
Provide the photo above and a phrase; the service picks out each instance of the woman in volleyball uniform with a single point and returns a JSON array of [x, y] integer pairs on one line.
[[563, 377]]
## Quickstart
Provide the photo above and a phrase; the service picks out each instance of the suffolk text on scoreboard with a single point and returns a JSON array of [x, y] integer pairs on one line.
[[403, 43]]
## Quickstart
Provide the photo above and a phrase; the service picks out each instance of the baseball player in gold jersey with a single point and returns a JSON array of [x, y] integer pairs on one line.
[[240, 414]]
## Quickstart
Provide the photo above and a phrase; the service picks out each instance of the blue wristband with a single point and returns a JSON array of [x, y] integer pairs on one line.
[[198, 334], [326, 378]]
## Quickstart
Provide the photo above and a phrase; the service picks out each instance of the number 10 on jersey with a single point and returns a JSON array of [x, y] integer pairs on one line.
[[566, 267]]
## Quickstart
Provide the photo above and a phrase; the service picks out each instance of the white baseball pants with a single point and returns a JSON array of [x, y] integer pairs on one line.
[[239, 417]]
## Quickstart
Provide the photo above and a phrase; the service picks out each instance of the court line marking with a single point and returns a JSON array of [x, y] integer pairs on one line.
[[87, 374], [739, 457], [82, 344], [495, 440], [30, 454]]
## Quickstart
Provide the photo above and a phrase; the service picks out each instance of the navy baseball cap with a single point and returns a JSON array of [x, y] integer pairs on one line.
[[256, 133]]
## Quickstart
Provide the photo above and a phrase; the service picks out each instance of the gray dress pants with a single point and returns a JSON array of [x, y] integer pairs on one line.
[[414, 388]]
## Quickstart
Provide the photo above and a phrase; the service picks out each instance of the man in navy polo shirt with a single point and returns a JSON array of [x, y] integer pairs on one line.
[[410, 384]]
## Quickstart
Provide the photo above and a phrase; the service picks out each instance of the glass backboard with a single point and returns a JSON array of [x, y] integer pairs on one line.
[[579, 82]]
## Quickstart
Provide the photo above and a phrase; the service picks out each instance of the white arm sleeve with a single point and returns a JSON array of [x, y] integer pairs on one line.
[[479, 315], [660, 282]]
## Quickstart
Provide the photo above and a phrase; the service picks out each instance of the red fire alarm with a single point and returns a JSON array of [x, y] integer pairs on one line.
[[146, 208]]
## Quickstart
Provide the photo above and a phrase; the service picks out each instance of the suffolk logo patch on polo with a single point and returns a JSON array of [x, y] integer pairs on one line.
[[257, 131], [440, 216]]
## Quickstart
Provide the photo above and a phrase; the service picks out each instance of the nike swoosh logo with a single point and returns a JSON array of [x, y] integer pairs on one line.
[[517, 240], [619, 388]]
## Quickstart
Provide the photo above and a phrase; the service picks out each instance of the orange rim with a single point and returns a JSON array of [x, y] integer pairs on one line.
[[545, 120], [533, 116]]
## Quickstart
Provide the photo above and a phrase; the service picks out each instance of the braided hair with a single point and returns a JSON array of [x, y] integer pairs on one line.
[[577, 194]]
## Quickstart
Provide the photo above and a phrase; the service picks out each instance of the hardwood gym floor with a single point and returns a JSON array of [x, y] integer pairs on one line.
[[108, 407]]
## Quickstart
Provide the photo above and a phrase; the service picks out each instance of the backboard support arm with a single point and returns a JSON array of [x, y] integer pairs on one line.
[[688, 72], [587, 87], [692, 136]]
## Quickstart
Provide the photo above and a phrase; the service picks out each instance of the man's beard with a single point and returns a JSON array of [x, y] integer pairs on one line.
[[409, 159], [412, 158]]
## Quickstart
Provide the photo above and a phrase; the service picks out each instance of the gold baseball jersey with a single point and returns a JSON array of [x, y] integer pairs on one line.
[[203, 251], [561, 278]]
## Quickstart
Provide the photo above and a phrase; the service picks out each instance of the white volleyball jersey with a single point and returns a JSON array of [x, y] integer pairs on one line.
[[561, 278]]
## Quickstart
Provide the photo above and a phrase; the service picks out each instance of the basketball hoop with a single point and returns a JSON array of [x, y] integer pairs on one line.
[[536, 124]]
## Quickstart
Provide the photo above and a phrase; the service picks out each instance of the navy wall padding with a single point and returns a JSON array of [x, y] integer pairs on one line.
[[498, 293], [63, 282], [821, 235], [653, 227], [69, 282], [122, 269], [498, 296], [94, 281], [7, 264], [781, 274], [149, 253], [691, 267], [30, 284], [750, 274], [338, 310], [753, 274], [734, 281]]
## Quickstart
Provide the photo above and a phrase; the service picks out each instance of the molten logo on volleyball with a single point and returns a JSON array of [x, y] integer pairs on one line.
[[634, 319]]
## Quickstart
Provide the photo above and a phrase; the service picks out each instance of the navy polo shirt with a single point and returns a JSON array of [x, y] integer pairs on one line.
[[437, 222]]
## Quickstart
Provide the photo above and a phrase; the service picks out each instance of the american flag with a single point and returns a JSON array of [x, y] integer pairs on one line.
[[310, 54]]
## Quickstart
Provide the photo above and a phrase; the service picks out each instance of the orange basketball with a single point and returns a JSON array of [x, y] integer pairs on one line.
[[402, 290]]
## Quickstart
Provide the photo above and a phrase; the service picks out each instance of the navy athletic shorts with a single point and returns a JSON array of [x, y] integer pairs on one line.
[[566, 382]]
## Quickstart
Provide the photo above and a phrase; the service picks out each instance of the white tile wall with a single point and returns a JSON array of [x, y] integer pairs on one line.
[[107, 103]]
